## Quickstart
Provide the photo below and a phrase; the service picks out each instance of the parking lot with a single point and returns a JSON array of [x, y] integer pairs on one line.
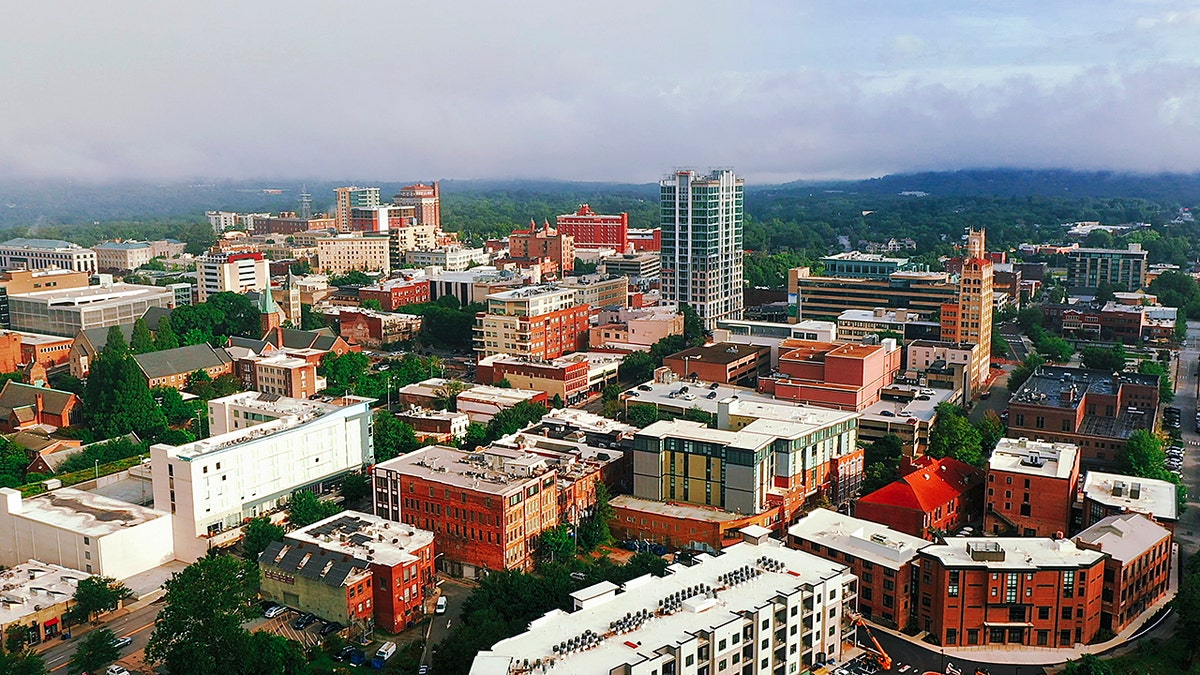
[[863, 664], [282, 625]]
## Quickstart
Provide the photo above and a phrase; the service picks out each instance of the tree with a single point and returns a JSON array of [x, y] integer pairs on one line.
[[1166, 391], [695, 414], [239, 316], [13, 461], [355, 486], [200, 383], [637, 367], [555, 545], [991, 430], [1022, 372], [393, 437], [311, 320], [343, 371], [141, 341], [17, 638], [21, 662], [476, 436], [511, 420], [881, 462], [954, 436], [97, 595], [173, 406], [1186, 604], [117, 399], [371, 303], [447, 394], [94, 652], [594, 530], [352, 278], [199, 629], [1103, 358], [1143, 456], [164, 335], [306, 508], [641, 415], [557, 402], [502, 383], [1088, 664], [693, 326], [260, 532]]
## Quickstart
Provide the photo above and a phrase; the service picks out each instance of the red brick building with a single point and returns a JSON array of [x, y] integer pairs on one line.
[[724, 362], [24, 405], [399, 558], [380, 218], [680, 525], [592, 229], [539, 322], [646, 240], [880, 557], [845, 376], [487, 509], [1137, 569], [311, 578], [940, 495], [1110, 494], [48, 350], [425, 200], [11, 352], [545, 242], [567, 377], [1031, 488], [1011, 591], [396, 293], [1094, 409], [277, 374], [369, 328]]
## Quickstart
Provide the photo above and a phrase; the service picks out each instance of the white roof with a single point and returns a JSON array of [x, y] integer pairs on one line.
[[1156, 497], [86, 513], [799, 569], [1016, 553], [863, 539], [32, 585], [1125, 536], [1035, 458], [365, 536]]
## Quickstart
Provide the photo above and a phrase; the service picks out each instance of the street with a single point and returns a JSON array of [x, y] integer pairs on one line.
[[138, 623], [455, 593], [1187, 533]]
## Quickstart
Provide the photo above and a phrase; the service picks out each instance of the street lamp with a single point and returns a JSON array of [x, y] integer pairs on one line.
[[97, 469]]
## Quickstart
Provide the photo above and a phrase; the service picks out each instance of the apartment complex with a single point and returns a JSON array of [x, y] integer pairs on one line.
[[290, 223], [487, 509], [599, 290], [758, 607], [353, 197], [1031, 487], [537, 322], [702, 243], [883, 560], [344, 253], [1137, 566], [565, 377], [1087, 268], [847, 376], [450, 258], [65, 312], [231, 273], [1036, 592], [35, 254], [593, 230], [1096, 410], [263, 447], [395, 293], [276, 374]]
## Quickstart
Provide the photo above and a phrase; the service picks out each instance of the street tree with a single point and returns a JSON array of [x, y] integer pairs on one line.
[[306, 508], [22, 662], [393, 437], [95, 651], [260, 532], [97, 595]]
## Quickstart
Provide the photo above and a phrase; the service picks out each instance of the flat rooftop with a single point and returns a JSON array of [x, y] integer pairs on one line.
[[1048, 385], [863, 539], [91, 295], [289, 413], [33, 585], [1034, 458], [586, 421], [483, 472], [1125, 536], [497, 395], [675, 509], [659, 393], [40, 339], [86, 513], [914, 408], [722, 353], [1156, 497], [43, 244], [890, 316], [366, 536], [1011, 553], [796, 571], [803, 418], [530, 292], [698, 431]]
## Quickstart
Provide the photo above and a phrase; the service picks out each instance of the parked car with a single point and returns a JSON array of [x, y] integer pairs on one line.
[[304, 621], [330, 627], [645, 387], [273, 609], [440, 607], [343, 653], [114, 669], [122, 642]]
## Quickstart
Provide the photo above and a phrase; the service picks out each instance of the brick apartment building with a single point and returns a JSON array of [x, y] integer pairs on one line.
[[1094, 409], [724, 362], [487, 509], [1034, 592], [1137, 569], [396, 293], [537, 322], [846, 376], [938, 495], [1031, 488], [591, 229], [881, 558], [370, 328], [543, 243], [277, 373], [567, 377]]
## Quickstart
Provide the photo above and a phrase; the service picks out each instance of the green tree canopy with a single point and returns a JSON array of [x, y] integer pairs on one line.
[[881, 462], [164, 335], [96, 595], [260, 532], [355, 486], [117, 399], [393, 437], [1111, 359], [953, 435], [21, 662], [306, 508], [141, 341], [95, 651], [641, 415]]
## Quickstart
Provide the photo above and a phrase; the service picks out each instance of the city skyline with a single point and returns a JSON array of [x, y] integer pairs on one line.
[[782, 92]]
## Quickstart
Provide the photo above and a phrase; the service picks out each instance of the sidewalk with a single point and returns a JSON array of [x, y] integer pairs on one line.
[[1047, 656], [80, 630]]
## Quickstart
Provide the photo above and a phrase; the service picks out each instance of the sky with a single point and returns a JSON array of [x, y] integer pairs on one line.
[[612, 91]]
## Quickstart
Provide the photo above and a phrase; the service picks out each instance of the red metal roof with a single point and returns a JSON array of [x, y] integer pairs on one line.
[[932, 484]]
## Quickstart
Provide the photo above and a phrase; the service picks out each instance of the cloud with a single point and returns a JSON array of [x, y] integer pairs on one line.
[[390, 91]]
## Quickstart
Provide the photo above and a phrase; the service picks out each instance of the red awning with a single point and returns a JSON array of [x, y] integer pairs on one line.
[[49, 622]]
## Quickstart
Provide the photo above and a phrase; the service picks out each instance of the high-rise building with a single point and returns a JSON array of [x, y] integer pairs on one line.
[[232, 272], [537, 243], [353, 197], [970, 318], [426, 201], [1087, 268], [702, 243]]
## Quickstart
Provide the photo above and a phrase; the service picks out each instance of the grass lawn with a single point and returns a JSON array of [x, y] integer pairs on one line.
[[1154, 657]]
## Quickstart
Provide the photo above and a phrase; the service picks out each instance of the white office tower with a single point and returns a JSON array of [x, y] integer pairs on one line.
[[702, 243]]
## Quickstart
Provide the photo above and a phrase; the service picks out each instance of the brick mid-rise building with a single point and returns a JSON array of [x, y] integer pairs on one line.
[[1033, 592], [938, 496], [591, 229], [1031, 487], [845, 376], [725, 362], [487, 509], [538, 322], [1110, 494], [1137, 568], [396, 293], [883, 559]]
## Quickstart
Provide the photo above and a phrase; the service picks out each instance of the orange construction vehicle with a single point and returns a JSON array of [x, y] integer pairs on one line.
[[881, 657]]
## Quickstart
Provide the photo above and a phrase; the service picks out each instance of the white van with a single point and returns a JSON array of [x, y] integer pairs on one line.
[[385, 651], [440, 608]]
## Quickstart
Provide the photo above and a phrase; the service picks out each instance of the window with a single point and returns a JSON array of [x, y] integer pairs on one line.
[[1068, 582], [1010, 587], [972, 636], [951, 636], [1043, 638], [952, 591], [1066, 612]]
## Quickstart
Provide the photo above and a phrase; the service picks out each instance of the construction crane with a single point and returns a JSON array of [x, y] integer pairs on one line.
[[881, 657]]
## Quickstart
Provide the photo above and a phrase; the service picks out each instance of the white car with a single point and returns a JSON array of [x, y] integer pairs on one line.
[[114, 669]]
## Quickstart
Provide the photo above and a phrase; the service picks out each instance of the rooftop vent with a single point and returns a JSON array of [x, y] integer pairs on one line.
[[1118, 489], [1033, 459], [1135, 491], [985, 551]]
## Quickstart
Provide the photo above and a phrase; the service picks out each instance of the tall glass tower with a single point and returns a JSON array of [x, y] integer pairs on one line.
[[702, 243]]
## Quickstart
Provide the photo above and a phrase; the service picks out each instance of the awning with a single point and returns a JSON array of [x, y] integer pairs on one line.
[[49, 622]]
